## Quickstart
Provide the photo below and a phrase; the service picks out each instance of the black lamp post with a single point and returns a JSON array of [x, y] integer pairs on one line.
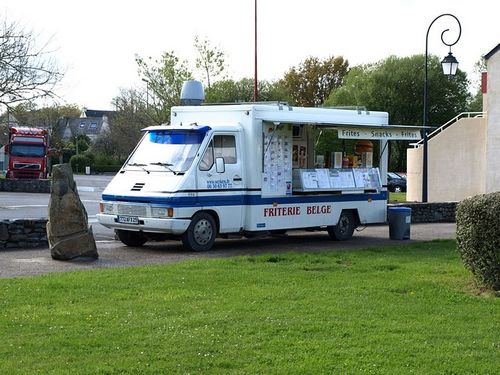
[[450, 65]]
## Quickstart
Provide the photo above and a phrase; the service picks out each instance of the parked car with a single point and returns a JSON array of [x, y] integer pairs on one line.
[[396, 183]]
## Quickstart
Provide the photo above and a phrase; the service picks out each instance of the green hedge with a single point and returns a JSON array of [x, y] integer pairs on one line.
[[478, 237]]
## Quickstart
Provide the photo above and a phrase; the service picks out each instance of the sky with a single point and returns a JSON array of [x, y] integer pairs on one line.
[[95, 41]]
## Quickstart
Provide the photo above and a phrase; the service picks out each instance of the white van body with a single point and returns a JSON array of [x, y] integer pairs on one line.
[[232, 169]]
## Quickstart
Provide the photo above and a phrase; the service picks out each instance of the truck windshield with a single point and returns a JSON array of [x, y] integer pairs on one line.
[[18, 149], [171, 150]]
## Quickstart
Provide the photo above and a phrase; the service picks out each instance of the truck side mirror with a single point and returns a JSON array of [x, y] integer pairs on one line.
[[219, 165]]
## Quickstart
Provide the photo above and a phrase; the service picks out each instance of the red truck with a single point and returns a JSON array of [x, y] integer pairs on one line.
[[27, 153]]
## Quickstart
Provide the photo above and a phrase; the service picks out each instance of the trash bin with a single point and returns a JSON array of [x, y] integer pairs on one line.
[[399, 223]]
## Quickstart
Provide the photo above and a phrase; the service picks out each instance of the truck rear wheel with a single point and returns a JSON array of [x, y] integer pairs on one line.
[[344, 228], [130, 238], [201, 233]]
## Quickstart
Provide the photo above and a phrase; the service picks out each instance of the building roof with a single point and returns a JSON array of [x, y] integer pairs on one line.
[[492, 52], [97, 113], [85, 125]]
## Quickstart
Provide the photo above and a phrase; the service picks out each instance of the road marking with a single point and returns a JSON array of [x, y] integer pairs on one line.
[[23, 206], [40, 205]]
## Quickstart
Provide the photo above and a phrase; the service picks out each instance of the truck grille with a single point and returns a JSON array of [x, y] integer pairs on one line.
[[31, 166], [138, 186], [132, 209]]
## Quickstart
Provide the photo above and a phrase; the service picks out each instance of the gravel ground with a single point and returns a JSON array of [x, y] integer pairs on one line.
[[29, 262]]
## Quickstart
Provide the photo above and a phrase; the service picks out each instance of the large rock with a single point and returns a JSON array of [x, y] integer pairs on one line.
[[68, 232]]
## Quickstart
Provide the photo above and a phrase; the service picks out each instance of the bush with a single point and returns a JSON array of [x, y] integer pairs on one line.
[[79, 162], [478, 237]]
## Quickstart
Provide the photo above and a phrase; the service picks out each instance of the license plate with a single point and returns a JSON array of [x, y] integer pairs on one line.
[[128, 219]]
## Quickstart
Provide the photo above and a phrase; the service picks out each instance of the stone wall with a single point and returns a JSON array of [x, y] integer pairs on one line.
[[27, 186], [23, 233], [443, 212]]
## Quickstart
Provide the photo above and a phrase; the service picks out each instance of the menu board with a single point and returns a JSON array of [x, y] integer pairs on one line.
[[341, 178], [323, 178], [367, 178], [336, 179], [277, 168]]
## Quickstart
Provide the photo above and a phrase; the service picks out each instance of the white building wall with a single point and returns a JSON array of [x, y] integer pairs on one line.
[[456, 163], [493, 135]]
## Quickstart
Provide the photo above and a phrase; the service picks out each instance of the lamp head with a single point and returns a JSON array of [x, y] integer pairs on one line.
[[450, 65]]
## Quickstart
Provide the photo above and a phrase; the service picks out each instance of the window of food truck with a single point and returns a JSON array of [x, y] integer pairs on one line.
[[222, 146], [172, 150]]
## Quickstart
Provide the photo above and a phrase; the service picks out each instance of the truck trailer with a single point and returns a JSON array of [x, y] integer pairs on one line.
[[247, 170]]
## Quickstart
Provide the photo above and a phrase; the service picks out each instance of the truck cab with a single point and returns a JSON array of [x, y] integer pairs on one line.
[[27, 153]]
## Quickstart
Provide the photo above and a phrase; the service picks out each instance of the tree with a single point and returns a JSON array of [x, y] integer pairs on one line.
[[29, 114], [311, 82], [125, 130], [476, 103], [395, 85], [230, 91], [27, 72], [164, 78], [210, 60]]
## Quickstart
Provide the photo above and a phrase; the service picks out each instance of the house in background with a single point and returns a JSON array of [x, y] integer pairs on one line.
[[91, 123]]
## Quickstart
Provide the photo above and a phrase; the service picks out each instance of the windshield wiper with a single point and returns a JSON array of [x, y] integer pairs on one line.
[[167, 165], [139, 165]]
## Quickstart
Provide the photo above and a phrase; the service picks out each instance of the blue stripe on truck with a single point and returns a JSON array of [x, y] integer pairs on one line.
[[243, 199]]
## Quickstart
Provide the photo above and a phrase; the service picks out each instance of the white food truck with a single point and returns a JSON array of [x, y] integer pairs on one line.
[[247, 170]]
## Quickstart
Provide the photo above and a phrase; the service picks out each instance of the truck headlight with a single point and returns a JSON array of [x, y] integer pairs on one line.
[[105, 207], [161, 212]]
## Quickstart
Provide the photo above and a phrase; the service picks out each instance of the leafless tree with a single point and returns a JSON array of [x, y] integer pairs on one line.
[[27, 69]]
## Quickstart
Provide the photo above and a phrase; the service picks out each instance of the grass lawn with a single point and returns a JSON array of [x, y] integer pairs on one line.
[[397, 197], [399, 310]]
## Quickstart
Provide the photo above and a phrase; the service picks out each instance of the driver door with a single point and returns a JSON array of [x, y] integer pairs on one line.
[[220, 180]]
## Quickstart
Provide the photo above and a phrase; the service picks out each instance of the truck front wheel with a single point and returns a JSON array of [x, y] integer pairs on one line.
[[201, 233], [345, 227], [130, 238]]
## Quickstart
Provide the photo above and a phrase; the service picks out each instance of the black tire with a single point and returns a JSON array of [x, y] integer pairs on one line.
[[130, 238], [201, 233], [398, 189], [345, 227]]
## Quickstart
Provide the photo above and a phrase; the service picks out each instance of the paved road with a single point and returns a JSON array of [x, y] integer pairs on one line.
[[33, 205], [14, 263]]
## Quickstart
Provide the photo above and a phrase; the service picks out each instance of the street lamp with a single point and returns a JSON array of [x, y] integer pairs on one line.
[[449, 65]]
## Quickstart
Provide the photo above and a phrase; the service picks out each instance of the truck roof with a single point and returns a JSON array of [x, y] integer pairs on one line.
[[283, 113], [27, 130]]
